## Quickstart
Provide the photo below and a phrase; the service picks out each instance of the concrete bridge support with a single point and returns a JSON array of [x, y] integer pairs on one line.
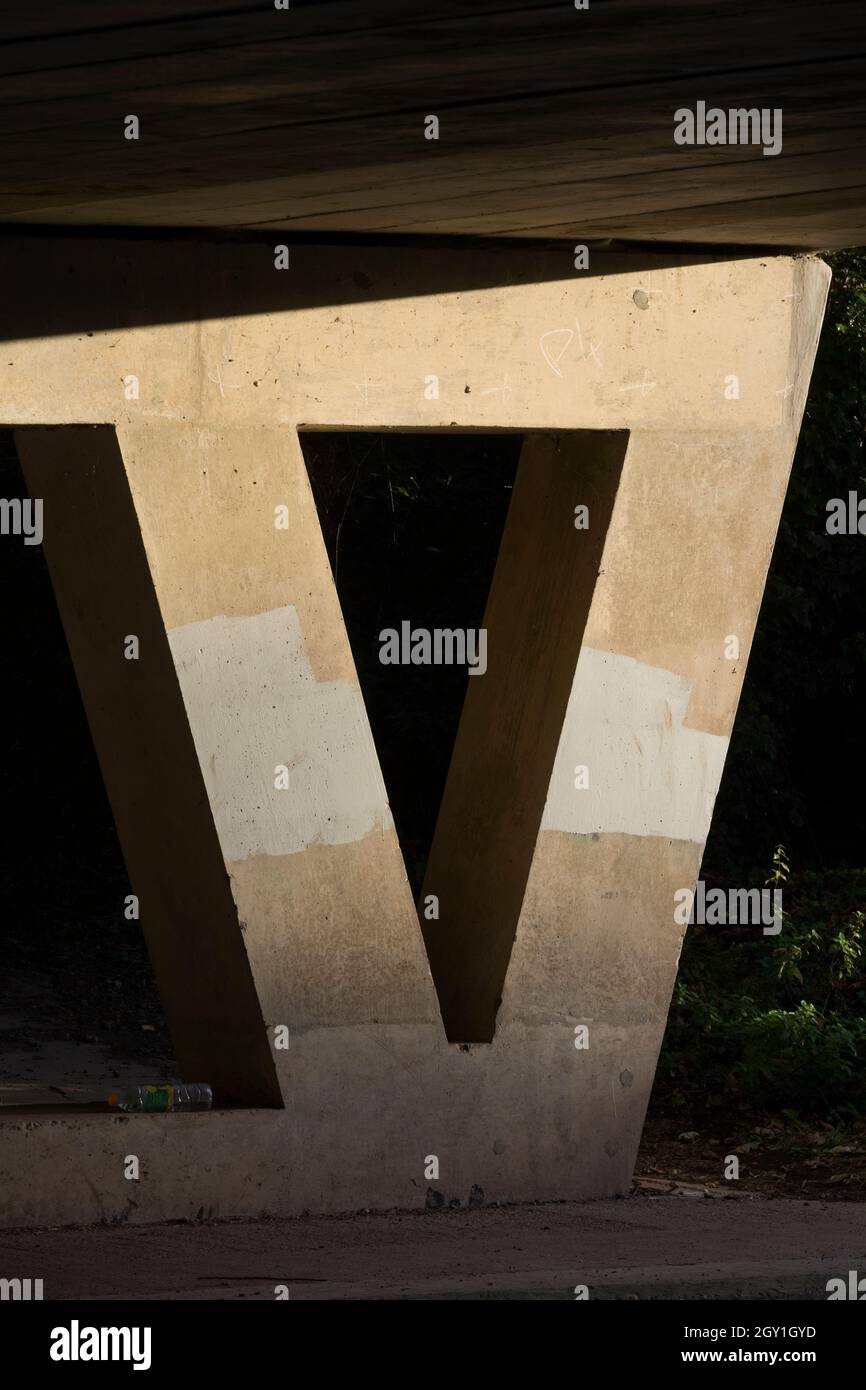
[[157, 390]]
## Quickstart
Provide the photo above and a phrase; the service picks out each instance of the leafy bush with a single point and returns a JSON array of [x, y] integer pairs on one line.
[[776, 1022]]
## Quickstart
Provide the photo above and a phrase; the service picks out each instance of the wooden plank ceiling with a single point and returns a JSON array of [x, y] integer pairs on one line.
[[554, 122]]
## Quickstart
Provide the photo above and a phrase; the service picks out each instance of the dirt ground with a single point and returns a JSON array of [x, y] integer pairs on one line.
[[777, 1158], [667, 1247]]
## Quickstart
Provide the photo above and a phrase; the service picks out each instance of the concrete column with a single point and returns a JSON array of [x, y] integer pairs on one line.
[[500, 774], [107, 601], [236, 749], [237, 753], [649, 716]]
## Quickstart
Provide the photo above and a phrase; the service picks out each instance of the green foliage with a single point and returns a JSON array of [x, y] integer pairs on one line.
[[776, 1022]]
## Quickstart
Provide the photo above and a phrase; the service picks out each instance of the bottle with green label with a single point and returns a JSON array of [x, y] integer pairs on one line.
[[195, 1096]]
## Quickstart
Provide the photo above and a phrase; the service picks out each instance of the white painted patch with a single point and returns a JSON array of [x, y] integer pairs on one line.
[[253, 703], [648, 774]]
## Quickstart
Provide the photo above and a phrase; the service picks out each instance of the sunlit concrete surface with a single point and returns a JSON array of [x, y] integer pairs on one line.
[[157, 391]]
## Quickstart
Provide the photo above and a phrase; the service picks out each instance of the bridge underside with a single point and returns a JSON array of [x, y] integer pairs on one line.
[[554, 122]]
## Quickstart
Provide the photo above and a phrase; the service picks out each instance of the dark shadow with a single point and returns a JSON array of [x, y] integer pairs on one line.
[[101, 579], [79, 1006], [72, 283], [412, 525]]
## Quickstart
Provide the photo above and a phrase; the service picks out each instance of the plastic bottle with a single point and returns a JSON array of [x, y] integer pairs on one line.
[[195, 1096]]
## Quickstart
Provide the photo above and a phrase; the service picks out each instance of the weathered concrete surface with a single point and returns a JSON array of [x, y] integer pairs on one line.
[[246, 666], [663, 1247], [499, 780]]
